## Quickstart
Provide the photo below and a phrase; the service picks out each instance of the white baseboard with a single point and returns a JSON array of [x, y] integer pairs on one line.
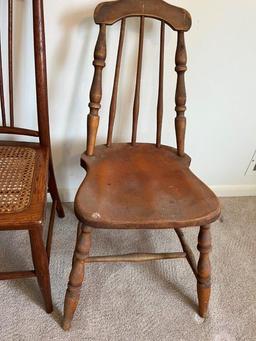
[[235, 191], [68, 194]]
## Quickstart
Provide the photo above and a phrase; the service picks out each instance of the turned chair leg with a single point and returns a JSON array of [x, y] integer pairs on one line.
[[53, 189], [40, 261], [77, 275], [204, 270]]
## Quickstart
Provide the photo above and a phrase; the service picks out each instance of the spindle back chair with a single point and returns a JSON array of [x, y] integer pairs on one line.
[[139, 185], [26, 168]]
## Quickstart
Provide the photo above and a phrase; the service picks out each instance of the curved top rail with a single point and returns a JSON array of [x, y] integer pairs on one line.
[[110, 12]]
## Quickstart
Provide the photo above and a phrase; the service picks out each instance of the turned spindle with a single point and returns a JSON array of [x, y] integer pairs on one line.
[[204, 270], [96, 90], [180, 98], [76, 276]]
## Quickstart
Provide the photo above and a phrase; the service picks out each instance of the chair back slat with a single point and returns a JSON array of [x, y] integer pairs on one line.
[[180, 97], [96, 90], [112, 112], [136, 105], [161, 85], [10, 59], [112, 11], [2, 89]]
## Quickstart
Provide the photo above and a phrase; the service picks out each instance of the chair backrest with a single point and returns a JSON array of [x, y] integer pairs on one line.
[[177, 19], [8, 126]]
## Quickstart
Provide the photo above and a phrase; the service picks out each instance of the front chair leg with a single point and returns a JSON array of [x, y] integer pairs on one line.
[[40, 261], [204, 270], [76, 276]]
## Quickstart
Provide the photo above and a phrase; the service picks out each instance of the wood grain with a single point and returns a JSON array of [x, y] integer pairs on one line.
[[96, 90], [110, 12]]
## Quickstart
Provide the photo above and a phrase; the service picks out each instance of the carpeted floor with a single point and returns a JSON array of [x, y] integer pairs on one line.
[[152, 301]]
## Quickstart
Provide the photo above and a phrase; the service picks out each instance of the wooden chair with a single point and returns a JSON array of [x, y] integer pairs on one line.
[[138, 185], [26, 169]]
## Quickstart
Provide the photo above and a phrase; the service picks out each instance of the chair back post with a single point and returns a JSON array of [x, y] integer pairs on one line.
[[96, 90], [180, 97], [41, 72]]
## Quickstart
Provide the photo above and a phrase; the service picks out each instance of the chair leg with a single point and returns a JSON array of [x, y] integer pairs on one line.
[[53, 189], [204, 270], [76, 276], [40, 261], [78, 232]]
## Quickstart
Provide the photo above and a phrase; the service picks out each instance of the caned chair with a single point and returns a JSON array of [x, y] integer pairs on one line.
[[26, 168], [139, 185]]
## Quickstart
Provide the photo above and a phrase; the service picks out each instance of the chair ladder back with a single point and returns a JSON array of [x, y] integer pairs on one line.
[[180, 97], [112, 112], [160, 102], [136, 106], [96, 90]]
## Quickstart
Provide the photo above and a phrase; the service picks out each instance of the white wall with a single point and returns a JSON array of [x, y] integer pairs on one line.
[[221, 134]]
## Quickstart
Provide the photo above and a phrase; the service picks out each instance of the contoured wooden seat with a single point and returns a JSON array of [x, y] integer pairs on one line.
[[142, 186], [133, 185]]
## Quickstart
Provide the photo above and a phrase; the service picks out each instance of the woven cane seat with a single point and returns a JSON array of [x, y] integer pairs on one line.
[[17, 166], [23, 184]]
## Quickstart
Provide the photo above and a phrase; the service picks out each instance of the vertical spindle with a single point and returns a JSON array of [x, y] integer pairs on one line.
[[112, 112], [180, 98], [96, 90], [160, 89], [10, 59], [136, 106], [2, 89]]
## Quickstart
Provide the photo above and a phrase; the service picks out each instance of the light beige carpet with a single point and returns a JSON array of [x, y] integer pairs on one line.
[[153, 301]]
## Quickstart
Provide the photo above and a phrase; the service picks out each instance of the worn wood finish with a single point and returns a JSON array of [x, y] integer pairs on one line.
[[112, 112], [135, 257], [204, 270], [189, 253], [96, 90], [136, 105], [180, 98], [31, 217], [76, 276], [110, 12], [140, 185], [117, 184], [160, 103]]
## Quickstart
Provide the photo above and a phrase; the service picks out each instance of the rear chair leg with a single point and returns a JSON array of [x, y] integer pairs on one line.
[[53, 189], [76, 276], [204, 270], [40, 261]]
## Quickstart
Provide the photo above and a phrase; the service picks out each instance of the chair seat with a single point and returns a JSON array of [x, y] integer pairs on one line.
[[23, 184], [142, 186]]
